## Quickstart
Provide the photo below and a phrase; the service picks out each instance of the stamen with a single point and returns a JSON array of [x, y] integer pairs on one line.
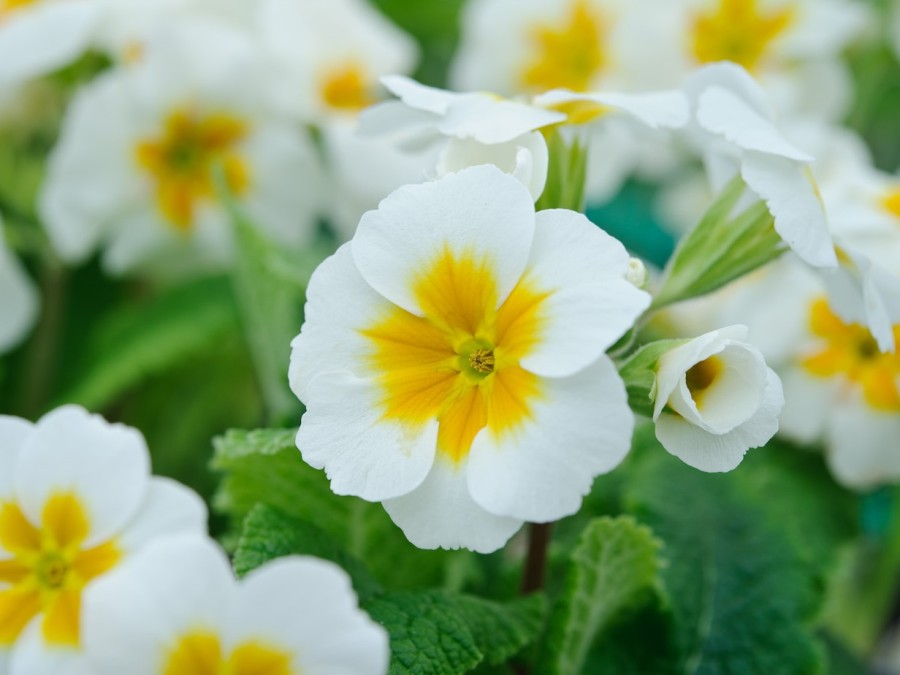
[[482, 361]]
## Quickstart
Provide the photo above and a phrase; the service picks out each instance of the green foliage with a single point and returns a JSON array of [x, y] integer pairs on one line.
[[268, 534], [613, 569], [265, 467], [721, 248], [566, 174], [439, 633], [139, 340], [742, 599], [639, 374]]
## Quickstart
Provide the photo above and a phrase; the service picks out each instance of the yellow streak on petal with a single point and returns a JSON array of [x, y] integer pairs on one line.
[[16, 533], [254, 658], [93, 562], [850, 351], [569, 55], [891, 202], [197, 653], [13, 571], [64, 522], [347, 87], [738, 31], [61, 618], [18, 606], [459, 363]]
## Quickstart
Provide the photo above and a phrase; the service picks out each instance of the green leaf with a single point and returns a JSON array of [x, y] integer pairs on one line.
[[265, 467], [268, 534], [441, 633], [140, 340], [742, 598], [566, 174], [614, 569]]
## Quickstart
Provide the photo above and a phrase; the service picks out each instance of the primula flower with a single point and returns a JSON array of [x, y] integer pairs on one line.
[[736, 133], [331, 53], [141, 147], [715, 398], [452, 360], [18, 299], [76, 499], [176, 609]]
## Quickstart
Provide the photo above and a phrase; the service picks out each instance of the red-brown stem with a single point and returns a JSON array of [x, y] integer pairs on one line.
[[536, 562]]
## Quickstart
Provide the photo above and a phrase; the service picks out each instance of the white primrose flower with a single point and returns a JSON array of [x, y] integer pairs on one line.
[[532, 46], [19, 300], [715, 398], [735, 129], [792, 47], [135, 168], [330, 54], [40, 36], [76, 500], [452, 360], [176, 609]]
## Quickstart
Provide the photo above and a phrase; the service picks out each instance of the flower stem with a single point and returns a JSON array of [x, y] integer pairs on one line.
[[536, 562]]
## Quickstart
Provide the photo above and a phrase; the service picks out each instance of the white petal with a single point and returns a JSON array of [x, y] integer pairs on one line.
[[580, 427], [487, 119], [14, 431], [419, 96], [525, 158], [134, 615], [657, 109], [169, 508], [721, 112], [480, 211], [105, 465], [344, 431], [723, 452], [46, 36], [809, 404], [441, 513], [338, 304], [308, 608], [18, 299], [31, 655], [397, 120], [734, 78], [590, 305], [861, 445], [792, 198]]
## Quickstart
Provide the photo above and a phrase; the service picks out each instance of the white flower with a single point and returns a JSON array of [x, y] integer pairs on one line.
[[715, 398], [735, 128], [135, 167], [76, 499], [40, 36], [177, 609], [18, 299], [452, 360], [331, 54]]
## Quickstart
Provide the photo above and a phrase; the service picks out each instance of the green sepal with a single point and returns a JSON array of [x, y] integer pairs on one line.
[[566, 173], [639, 374]]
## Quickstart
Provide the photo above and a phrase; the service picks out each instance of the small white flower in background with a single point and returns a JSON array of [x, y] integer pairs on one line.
[[76, 499], [19, 300], [735, 130], [452, 360], [176, 609], [715, 398], [331, 54], [40, 36], [135, 168], [792, 47]]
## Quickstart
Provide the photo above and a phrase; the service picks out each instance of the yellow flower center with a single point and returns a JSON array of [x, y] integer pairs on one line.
[[891, 202], [48, 569], [738, 31], [850, 351], [701, 376], [182, 160], [569, 55], [200, 653], [459, 363], [347, 88]]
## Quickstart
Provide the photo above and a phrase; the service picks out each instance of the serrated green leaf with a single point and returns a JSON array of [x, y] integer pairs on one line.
[[265, 467], [441, 633], [141, 340], [614, 569], [742, 598], [268, 534]]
